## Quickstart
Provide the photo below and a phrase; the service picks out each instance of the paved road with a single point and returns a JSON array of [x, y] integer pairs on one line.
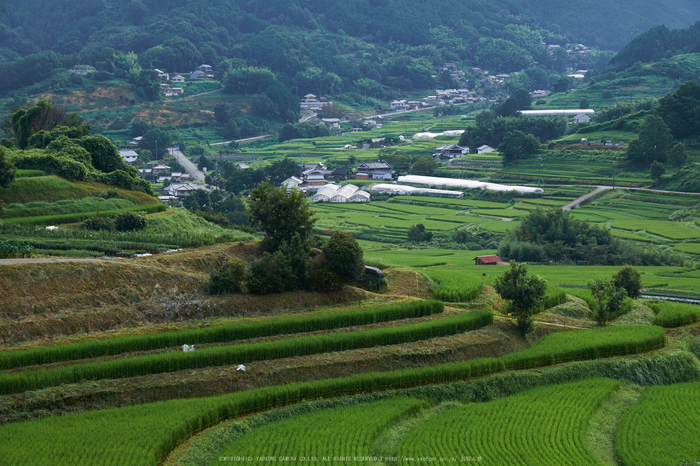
[[585, 197], [242, 140], [186, 164], [196, 95]]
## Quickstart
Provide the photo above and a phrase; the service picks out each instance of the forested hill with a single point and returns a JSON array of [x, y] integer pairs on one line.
[[659, 43], [219, 28]]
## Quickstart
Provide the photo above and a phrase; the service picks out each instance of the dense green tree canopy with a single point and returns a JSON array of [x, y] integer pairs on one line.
[[524, 293], [654, 140], [7, 170], [517, 145], [345, 256], [280, 215], [681, 110]]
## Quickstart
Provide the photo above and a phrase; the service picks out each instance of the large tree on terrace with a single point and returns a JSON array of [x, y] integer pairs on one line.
[[525, 294], [280, 215]]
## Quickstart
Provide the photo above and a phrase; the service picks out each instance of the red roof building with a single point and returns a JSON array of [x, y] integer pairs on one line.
[[487, 260]]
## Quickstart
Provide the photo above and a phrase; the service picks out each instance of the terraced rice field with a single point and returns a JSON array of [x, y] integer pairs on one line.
[[333, 436], [691, 248], [671, 230], [662, 429], [546, 425]]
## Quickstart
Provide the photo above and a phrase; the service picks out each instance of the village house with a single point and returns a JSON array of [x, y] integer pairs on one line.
[[181, 190], [378, 170], [582, 119], [199, 74], [399, 105], [450, 151], [160, 169], [485, 149], [82, 69], [333, 123], [292, 183], [311, 104], [128, 155]]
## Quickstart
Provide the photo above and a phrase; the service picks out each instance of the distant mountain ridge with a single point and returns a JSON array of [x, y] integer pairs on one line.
[[30, 26]]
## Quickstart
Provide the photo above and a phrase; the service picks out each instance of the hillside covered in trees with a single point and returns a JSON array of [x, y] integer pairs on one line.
[[355, 46]]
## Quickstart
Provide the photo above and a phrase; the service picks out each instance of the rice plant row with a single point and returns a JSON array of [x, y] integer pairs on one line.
[[455, 287], [545, 425], [77, 217], [141, 435], [662, 429], [330, 436], [242, 353], [670, 314], [219, 334]]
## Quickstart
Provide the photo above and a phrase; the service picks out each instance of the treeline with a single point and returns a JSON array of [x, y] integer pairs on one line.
[[659, 43], [491, 130]]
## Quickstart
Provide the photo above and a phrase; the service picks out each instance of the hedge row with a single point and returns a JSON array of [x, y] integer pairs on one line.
[[219, 334], [242, 353]]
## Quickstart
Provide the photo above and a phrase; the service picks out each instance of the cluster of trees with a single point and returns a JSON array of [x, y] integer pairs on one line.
[[217, 207], [269, 97], [237, 126], [46, 137], [420, 165], [235, 180], [418, 234], [554, 236], [677, 116], [492, 130], [516, 145], [610, 294], [303, 131], [287, 262]]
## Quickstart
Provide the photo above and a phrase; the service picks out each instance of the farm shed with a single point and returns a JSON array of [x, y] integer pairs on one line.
[[488, 260], [465, 184]]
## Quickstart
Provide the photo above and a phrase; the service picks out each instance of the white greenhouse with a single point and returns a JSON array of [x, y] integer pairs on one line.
[[335, 193], [360, 196], [466, 184], [408, 190], [325, 193], [344, 193]]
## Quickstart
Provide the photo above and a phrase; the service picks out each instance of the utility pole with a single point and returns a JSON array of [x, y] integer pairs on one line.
[[613, 175], [410, 165], [539, 170]]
